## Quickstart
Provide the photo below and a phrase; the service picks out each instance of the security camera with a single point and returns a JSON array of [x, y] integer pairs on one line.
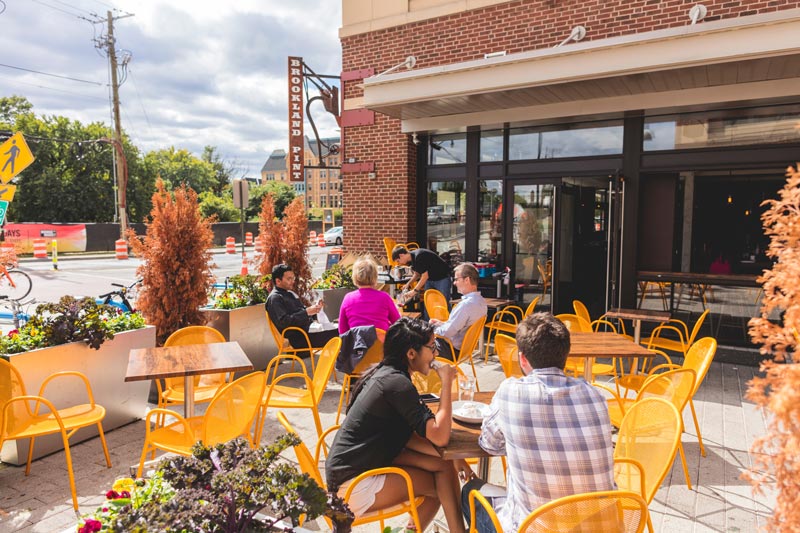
[[414, 138]]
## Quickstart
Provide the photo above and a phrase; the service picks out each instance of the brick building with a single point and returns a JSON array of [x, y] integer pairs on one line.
[[594, 138]]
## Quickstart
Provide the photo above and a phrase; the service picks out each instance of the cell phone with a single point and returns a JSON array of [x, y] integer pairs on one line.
[[429, 397]]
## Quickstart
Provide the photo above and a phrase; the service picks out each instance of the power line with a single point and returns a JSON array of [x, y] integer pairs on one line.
[[76, 8], [52, 75], [71, 14], [53, 89]]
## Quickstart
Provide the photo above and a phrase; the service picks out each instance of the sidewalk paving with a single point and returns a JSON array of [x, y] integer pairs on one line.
[[720, 501]]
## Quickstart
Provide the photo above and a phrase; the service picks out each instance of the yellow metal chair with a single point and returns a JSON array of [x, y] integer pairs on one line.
[[506, 321], [676, 386], [389, 244], [678, 327], [508, 353], [205, 386], [285, 348], [373, 356], [468, 346], [475, 496], [309, 465], [432, 383], [20, 416], [287, 397], [436, 305], [581, 310], [591, 512], [647, 442], [634, 382], [229, 415]]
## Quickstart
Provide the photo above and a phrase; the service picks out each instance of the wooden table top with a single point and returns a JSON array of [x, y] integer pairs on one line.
[[491, 303], [603, 344], [188, 360], [464, 437], [650, 315], [733, 280]]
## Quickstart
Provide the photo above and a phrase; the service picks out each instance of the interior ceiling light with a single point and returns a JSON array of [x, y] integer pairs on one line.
[[409, 63], [697, 13], [577, 34]]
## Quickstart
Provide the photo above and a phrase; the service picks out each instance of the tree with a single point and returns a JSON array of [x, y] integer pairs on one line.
[[270, 235], [219, 206], [177, 269], [224, 171], [295, 245], [282, 193], [776, 455], [11, 106], [179, 167]]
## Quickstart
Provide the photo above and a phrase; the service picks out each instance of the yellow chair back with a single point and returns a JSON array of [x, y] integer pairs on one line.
[[233, 409], [475, 496], [195, 335], [531, 306], [471, 337], [581, 310], [304, 458], [649, 434], [699, 357], [612, 511], [373, 356], [508, 354], [574, 323], [276, 335], [432, 383], [697, 326], [676, 386], [389, 244], [18, 414], [436, 305], [324, 367]]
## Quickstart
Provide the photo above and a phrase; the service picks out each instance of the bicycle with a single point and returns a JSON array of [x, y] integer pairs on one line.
[[18, 316], [119, 297], [14, 284]]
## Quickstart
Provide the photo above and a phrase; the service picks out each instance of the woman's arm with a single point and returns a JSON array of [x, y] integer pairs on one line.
[[438, 428]]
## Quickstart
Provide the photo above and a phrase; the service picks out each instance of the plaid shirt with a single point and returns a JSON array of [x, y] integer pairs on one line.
[[556, 434]]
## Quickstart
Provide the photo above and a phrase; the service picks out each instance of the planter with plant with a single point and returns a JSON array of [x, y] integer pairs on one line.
[[238, 313], [80, 335], [227, 488], [334, 284]]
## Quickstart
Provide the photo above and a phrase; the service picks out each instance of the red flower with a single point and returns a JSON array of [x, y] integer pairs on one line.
[[125, 494], [112, 495], [90, 526], [13, 332]]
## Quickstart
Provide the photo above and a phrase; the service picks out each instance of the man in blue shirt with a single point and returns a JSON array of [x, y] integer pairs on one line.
[[468, 311]]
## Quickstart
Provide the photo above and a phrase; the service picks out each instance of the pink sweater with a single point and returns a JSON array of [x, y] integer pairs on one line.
[[367, 307]]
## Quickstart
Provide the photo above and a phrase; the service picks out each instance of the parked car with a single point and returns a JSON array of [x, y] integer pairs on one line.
[[334, 235], [437, 215]]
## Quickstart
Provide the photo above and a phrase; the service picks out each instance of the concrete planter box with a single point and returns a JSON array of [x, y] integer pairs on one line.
[[105, 368], [333, 301], [248, 327]]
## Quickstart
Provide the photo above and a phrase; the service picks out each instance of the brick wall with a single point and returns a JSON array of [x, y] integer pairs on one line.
[[386, 205]]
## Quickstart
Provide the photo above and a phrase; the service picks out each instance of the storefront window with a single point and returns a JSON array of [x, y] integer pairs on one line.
[[490, 234], [533, 233], [448, 149], [491, 146], [739, 127], [574, 141], [446, 216]]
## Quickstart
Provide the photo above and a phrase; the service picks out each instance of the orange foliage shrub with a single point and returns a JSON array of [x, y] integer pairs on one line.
[[776, 455], [285, 242], [177, 268], [8, 256]]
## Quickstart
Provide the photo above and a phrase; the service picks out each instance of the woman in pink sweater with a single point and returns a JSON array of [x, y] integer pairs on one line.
[[367, 306]]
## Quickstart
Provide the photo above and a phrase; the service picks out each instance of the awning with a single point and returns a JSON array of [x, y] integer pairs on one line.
[[748, 58]]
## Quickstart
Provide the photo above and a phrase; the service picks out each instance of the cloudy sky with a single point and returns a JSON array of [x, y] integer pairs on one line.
[[202, 72]]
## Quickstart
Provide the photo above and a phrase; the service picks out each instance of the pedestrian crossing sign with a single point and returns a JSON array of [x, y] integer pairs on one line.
[[15, 156]]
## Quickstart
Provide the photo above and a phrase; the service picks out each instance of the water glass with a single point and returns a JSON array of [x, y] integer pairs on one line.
[[466, 388]]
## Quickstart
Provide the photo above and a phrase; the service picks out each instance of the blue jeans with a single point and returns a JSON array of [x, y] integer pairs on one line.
[[445, 286], [482, 521]]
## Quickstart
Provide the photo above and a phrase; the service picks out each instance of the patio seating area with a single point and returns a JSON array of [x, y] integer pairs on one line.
[[719, 501]]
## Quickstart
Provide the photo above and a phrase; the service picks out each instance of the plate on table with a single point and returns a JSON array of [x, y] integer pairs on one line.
[[470, 412]]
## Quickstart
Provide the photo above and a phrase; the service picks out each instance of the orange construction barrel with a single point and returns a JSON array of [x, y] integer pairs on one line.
[[321, 240], [39, 248], [259, 245], [312, 238], [230, 245], [248, 239], [121, 249]]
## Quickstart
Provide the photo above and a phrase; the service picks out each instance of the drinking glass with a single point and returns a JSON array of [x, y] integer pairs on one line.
[[466, 388]]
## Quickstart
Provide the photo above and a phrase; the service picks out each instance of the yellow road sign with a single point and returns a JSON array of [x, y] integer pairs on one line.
[[15, 156], [7, 192]]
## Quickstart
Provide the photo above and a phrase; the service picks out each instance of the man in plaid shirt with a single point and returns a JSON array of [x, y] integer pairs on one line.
[[554, 430]]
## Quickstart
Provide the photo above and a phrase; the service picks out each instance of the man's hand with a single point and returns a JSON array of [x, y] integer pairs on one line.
[[314, 309], [435, 322]]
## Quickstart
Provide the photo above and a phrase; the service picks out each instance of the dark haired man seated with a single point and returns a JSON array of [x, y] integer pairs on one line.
[[554, 430]]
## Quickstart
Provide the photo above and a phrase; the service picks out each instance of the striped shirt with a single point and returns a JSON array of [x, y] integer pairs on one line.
[[556, 433]]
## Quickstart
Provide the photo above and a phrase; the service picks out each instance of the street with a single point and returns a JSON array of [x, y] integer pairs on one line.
[[94, 276]]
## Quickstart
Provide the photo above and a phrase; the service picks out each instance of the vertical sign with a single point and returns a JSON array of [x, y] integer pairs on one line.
[[296, 137], [3, 209]]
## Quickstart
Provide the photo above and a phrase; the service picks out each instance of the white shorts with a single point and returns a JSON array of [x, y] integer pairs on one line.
[[363, 495]]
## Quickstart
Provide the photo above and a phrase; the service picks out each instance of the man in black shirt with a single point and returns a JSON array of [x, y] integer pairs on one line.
[[430, 269], [285, 309]]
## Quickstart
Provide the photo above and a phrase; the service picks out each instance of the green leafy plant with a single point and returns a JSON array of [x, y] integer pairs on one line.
[[336, 277], [224, 488], [243, 291], [69, 320]]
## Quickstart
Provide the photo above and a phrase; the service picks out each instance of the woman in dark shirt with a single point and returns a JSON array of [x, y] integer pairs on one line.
[[388, 425]]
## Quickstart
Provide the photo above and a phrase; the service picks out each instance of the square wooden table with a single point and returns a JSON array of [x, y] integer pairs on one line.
[[603, 344], [186, 361], [637, 315], [463, 442]]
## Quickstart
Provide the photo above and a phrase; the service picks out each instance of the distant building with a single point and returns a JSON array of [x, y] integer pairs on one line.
[[324, 184]]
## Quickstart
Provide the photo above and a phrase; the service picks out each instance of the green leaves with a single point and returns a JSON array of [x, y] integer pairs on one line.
[[336, 277], [243, 291]]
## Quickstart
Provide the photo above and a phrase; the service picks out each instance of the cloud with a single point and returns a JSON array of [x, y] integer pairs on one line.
[[202, 72]]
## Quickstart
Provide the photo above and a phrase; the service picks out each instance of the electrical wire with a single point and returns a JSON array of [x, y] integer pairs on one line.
[[53, 89], [76, 8], [57, 8], [141, 102], [52, 75]]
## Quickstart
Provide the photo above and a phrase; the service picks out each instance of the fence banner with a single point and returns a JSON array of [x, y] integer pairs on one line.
[[71, 237]]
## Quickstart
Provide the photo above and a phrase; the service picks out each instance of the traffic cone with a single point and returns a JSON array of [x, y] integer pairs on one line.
[[244, 265]]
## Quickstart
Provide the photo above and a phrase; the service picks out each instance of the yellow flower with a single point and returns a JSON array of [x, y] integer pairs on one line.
[[125, 483]]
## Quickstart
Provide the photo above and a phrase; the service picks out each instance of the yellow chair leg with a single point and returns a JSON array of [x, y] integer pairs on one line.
[[317, 421], [685, 467], [488, 342], [697, 428], [477, 389], [30, 455], [345, 391], [103, 441], [69, 470]]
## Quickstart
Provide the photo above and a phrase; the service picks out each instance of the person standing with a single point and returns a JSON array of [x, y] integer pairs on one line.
[[430, 272], [554, 430], [468, 311]]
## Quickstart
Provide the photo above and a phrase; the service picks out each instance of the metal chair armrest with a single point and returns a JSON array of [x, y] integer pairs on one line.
[[279, 358], [75, 373], [31, 398], [321, 441], [304, 377], [602, 321], [166, 413], [636, 464]]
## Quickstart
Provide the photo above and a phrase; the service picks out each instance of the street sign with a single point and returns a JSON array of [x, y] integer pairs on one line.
[[7, 192], [241, 193], [15, 156], [3, 209]]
